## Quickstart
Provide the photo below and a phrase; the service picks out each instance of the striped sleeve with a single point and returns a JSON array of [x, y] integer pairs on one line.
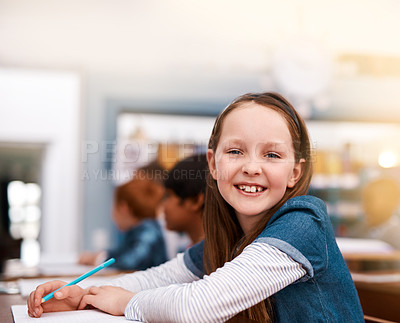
[[171, 272], [257, 273]]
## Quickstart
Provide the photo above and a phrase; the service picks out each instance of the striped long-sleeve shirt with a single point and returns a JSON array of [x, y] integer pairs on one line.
[[172, 293]]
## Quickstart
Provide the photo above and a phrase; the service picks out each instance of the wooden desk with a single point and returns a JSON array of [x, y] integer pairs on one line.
[[6, 301], [356, 261], [5, 306], [380, 300], [372, 256]]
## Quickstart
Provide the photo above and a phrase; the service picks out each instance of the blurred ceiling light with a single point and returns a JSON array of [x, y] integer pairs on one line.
[[388, 159]]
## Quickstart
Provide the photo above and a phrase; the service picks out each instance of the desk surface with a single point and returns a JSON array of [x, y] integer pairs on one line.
[[5, 306], [372, 256], [380, 300], [6, 301], [361, 261]]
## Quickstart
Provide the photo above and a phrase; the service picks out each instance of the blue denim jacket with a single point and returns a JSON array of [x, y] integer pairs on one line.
[[302, 229]]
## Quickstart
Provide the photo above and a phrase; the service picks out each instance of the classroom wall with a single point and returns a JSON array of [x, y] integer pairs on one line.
[[43, 108]]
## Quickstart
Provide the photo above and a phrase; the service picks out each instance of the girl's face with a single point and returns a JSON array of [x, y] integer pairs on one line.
[[254, 161]]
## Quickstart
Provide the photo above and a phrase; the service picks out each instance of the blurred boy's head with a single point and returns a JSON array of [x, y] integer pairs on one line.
[[153, 171], [185, 189], [135, 201]]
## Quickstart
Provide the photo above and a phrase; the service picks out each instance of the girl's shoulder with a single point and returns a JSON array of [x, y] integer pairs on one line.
[[308, 201], [301, 228], [305, 203], [302, 208]]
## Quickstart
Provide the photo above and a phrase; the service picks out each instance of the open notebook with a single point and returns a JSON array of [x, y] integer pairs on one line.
[[20, 315]]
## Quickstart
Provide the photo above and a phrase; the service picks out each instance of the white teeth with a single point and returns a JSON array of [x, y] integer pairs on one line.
[[250, 189]]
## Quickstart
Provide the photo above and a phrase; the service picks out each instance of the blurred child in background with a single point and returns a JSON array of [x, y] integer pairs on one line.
[[135, 213], [184, 198]]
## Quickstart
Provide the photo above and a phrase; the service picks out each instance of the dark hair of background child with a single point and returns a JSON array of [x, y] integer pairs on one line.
[[188, 177]]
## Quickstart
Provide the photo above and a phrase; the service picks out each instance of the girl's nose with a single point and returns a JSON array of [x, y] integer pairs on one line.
[[252, 168]]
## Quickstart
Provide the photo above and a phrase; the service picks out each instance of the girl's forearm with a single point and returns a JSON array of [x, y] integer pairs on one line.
[[171, 272]]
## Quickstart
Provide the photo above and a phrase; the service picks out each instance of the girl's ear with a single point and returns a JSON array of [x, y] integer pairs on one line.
[[296, 174], [211, 163]]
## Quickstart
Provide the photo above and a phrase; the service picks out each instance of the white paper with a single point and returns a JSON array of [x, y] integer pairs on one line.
[[20, 313]]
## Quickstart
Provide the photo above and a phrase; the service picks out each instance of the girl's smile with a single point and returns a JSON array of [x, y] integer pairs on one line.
[[250, 188]]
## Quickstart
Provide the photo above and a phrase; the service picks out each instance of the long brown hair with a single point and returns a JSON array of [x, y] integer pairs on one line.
[[224, 238]]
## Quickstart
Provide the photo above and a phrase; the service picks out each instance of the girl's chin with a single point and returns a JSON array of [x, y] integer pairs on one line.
[[251, 213]]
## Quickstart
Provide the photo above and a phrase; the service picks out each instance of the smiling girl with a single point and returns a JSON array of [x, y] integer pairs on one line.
[[269, 251]]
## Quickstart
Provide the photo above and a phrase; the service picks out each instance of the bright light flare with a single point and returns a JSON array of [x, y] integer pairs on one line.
[[388, 159]]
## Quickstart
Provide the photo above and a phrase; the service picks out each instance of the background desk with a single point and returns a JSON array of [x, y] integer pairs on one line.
[[380, 300], [357, 261]]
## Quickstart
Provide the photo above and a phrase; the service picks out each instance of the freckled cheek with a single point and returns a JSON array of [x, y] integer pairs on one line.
[[225, 171], [279, 178]]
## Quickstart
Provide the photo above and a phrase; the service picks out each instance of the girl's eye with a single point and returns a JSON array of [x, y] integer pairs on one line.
[[234, 152], [272, 155]]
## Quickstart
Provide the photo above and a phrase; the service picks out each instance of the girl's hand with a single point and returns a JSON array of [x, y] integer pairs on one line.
[[109, 299], [66, 299]]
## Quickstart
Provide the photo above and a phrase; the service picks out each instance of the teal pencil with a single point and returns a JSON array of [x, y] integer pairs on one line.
[[80, 278]]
